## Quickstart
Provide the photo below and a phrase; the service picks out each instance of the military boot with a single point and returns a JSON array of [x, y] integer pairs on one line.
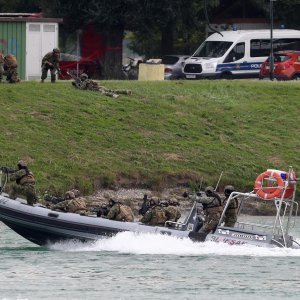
[[53, 78]]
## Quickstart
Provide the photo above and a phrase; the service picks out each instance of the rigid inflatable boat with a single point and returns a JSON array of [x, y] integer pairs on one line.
[[42, 225]]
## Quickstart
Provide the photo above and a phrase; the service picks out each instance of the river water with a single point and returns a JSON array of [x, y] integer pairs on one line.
[[143, 266]]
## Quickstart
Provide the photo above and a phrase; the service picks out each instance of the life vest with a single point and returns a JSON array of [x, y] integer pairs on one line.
[[158, 216], [172, 213], [26, 178], [216, 202], [92, 85], [234, 203], [76, 204], [125, 213]]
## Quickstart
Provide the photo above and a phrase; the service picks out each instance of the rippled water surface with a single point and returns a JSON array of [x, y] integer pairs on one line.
[[131, 266]]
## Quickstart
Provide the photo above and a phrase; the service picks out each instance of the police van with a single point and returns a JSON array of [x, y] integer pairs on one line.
[[239, 53]]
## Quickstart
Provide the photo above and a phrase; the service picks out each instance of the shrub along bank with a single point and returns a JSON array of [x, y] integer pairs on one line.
[[164, 134]]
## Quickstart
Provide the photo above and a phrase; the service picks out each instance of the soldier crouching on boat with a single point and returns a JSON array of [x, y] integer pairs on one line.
[[172, 211], [71, 204], [24, 182], [155, 214], [84, 83], [119, 212]]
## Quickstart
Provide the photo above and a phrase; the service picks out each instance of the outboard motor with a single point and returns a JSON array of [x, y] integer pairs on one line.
[[194, 221]]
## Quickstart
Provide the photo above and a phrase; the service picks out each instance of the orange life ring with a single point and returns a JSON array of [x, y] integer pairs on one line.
[[269, 192]]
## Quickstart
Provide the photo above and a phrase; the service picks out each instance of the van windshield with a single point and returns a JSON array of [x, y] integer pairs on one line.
[[212, 49]]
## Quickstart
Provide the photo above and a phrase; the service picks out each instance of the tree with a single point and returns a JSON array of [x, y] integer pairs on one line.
[[287, 11], [23, 6], [109, 17], [165, 26]]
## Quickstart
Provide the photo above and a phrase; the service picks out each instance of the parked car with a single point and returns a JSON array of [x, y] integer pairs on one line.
[[286, 66], [68, 64], [173, 66]]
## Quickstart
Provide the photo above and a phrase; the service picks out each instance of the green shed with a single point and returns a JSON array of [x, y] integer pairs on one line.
[[29, 37]]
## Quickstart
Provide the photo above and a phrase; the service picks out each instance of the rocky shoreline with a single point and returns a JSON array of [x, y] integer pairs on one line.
[[134, 198]]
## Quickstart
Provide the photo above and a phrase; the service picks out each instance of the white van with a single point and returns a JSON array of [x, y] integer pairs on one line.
[[237, 53]]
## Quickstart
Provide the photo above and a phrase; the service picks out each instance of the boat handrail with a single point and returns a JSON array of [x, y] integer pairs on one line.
[[257, 225], [177, 225], [296, 213]]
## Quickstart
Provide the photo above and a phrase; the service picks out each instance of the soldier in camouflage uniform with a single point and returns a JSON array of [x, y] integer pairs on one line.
[[231, 211], [212, 207], [10, 68], [51, 62], [87, 84], [25, 183], [1, 66], [71, 204], [119, 212], [155, 215], [172, 211]]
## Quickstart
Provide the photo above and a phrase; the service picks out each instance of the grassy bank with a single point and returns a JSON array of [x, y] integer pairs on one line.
[[164, 133]]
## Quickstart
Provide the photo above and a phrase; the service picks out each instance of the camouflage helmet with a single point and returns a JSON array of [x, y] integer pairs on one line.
[[69, 195], [228, 190], [56, 50], [111, 202], [153, 201], [164, 203], [209, 190], [84, 76], [21, 164], [173, 202], [76, 192]]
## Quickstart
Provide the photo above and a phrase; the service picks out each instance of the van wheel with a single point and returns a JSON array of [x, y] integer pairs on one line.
[[226, 75], [296, 77]]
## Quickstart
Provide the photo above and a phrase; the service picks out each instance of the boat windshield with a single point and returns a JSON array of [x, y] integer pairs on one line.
[[212, 49]]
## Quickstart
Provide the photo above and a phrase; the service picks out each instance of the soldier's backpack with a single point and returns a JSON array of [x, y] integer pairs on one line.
[[125, 214], [10, 61]]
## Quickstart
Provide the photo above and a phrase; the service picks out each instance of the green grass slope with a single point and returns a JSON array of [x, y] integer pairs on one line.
[[164, 133]]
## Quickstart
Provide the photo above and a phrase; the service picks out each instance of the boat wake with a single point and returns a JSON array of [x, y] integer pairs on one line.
[[145, 243]]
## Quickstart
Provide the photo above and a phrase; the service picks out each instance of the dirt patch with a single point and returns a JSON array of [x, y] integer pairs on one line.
[[173, 156]]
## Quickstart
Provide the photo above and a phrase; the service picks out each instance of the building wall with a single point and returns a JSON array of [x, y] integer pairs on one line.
[[41, 38], [13, 41]]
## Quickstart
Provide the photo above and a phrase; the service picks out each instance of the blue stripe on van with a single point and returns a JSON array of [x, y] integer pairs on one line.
[[239, 67]]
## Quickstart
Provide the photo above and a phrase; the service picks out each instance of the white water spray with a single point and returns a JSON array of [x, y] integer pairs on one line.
[[133, 243]]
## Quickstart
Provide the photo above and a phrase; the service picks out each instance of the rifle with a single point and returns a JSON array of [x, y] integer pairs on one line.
[[8, 170], [77, 80], [53, 199], [219, 180], [102, 211], [144, 207]]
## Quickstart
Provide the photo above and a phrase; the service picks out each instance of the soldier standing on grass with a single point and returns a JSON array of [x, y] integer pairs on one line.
[[87, 84], [1, 66], [10, 68], [51, 62]]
